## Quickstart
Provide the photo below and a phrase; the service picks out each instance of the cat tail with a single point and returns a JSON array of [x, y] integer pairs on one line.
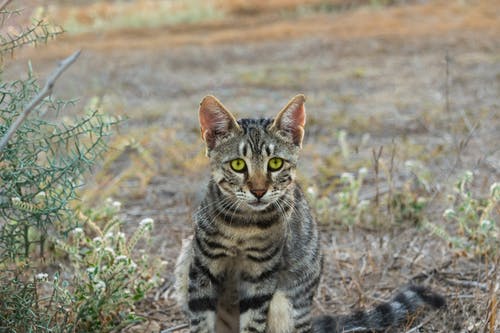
[[384, 315]]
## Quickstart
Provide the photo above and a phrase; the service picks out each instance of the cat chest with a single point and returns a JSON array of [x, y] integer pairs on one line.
[[242, 249], [241, 241], [246, 265], [244, 253]]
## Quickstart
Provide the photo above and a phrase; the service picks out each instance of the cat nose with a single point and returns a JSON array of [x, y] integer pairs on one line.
[[258, 193]]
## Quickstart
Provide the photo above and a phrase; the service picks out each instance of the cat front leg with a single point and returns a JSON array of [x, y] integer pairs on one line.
[[253, 313], [280, 315], [194, 289], [202, 298], [256, 294]]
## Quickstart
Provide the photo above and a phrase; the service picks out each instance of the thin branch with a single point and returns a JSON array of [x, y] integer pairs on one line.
[[46, 91], [175, 328], [4, 4], [467, 284], [431, 272], [419, 326], [447, 58]]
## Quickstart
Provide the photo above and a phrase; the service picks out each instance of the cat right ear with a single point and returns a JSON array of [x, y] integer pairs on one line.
[[216, 122], [289, 123]]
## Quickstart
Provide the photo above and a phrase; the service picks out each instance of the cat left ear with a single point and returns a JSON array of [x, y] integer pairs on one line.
[[291, 120], [216, 122]]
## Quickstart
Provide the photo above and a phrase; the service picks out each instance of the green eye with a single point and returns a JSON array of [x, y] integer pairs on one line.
[[275, 163], [238, 165]]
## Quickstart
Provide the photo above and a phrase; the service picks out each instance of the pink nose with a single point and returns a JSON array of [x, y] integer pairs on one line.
[[258, 193]]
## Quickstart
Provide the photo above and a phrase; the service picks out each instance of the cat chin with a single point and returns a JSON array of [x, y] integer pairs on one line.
[[257, 206]]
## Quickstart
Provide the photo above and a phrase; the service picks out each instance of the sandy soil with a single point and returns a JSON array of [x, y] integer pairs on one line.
[[423, 77]]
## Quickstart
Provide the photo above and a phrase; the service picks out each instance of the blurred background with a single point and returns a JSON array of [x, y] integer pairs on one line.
[[408, 91]]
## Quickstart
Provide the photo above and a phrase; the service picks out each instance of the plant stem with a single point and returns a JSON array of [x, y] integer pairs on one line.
[[46, 91]]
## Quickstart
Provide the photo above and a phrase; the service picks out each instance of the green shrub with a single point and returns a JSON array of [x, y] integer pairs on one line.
[[347, 199], [474, 220], [348, 209], [110, 275], [63, 268]]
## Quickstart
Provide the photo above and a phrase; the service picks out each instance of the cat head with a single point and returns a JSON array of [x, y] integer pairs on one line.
[[253, 161]]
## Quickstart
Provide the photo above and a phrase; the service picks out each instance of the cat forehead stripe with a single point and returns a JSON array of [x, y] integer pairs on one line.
[[254, 130], [271, 149], [243, 150], [255, 139], [247, 123]]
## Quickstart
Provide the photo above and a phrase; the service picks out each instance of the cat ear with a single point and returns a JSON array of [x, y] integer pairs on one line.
[[291, 120], [216, 122]]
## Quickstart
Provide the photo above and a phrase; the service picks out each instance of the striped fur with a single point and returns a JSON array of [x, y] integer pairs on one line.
[[254, 262], [384, 315]]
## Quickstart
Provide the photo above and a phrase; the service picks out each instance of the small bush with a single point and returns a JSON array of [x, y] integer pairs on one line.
[[110, 275], [63, 268], [474, 219], [400, 195]]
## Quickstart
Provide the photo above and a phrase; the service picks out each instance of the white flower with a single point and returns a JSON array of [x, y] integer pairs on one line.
[[97, 240], [421, 200], [110, 250], [311, 191], [486, 225], [109, 235], [117, 204], [147, 222], [42, 276], [468, 175], [342, 196], [495, 189], [363, 204], [132, 266], [120, 235], [91, 270], [449, 213], [77, 231], [121, 258], [100, 285], [410, 164], [347, 176], [363, 171]]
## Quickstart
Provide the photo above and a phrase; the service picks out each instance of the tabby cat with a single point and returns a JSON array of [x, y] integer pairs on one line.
[[255, 262]]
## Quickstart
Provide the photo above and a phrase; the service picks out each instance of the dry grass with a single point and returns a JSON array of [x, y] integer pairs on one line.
[[434, 18]]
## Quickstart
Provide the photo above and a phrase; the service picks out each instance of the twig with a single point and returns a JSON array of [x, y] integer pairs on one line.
[[419, 326], [175, 328], [4, 4], [447, 59], [467, 284], [461, 296], [376, 165], [46, 91], [431, 272]]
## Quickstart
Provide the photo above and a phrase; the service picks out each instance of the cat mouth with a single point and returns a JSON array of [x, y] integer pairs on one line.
[[258, 204]]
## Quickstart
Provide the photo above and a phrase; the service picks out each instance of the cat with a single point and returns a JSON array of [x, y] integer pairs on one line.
[[254, 262]]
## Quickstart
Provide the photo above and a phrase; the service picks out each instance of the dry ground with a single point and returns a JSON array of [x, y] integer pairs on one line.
[[420, 77]]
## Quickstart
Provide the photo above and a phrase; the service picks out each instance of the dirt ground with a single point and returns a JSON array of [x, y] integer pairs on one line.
[[419, 77]]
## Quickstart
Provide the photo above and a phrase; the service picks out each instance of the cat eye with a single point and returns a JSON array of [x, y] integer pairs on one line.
[[238, 165], [275, 164]]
